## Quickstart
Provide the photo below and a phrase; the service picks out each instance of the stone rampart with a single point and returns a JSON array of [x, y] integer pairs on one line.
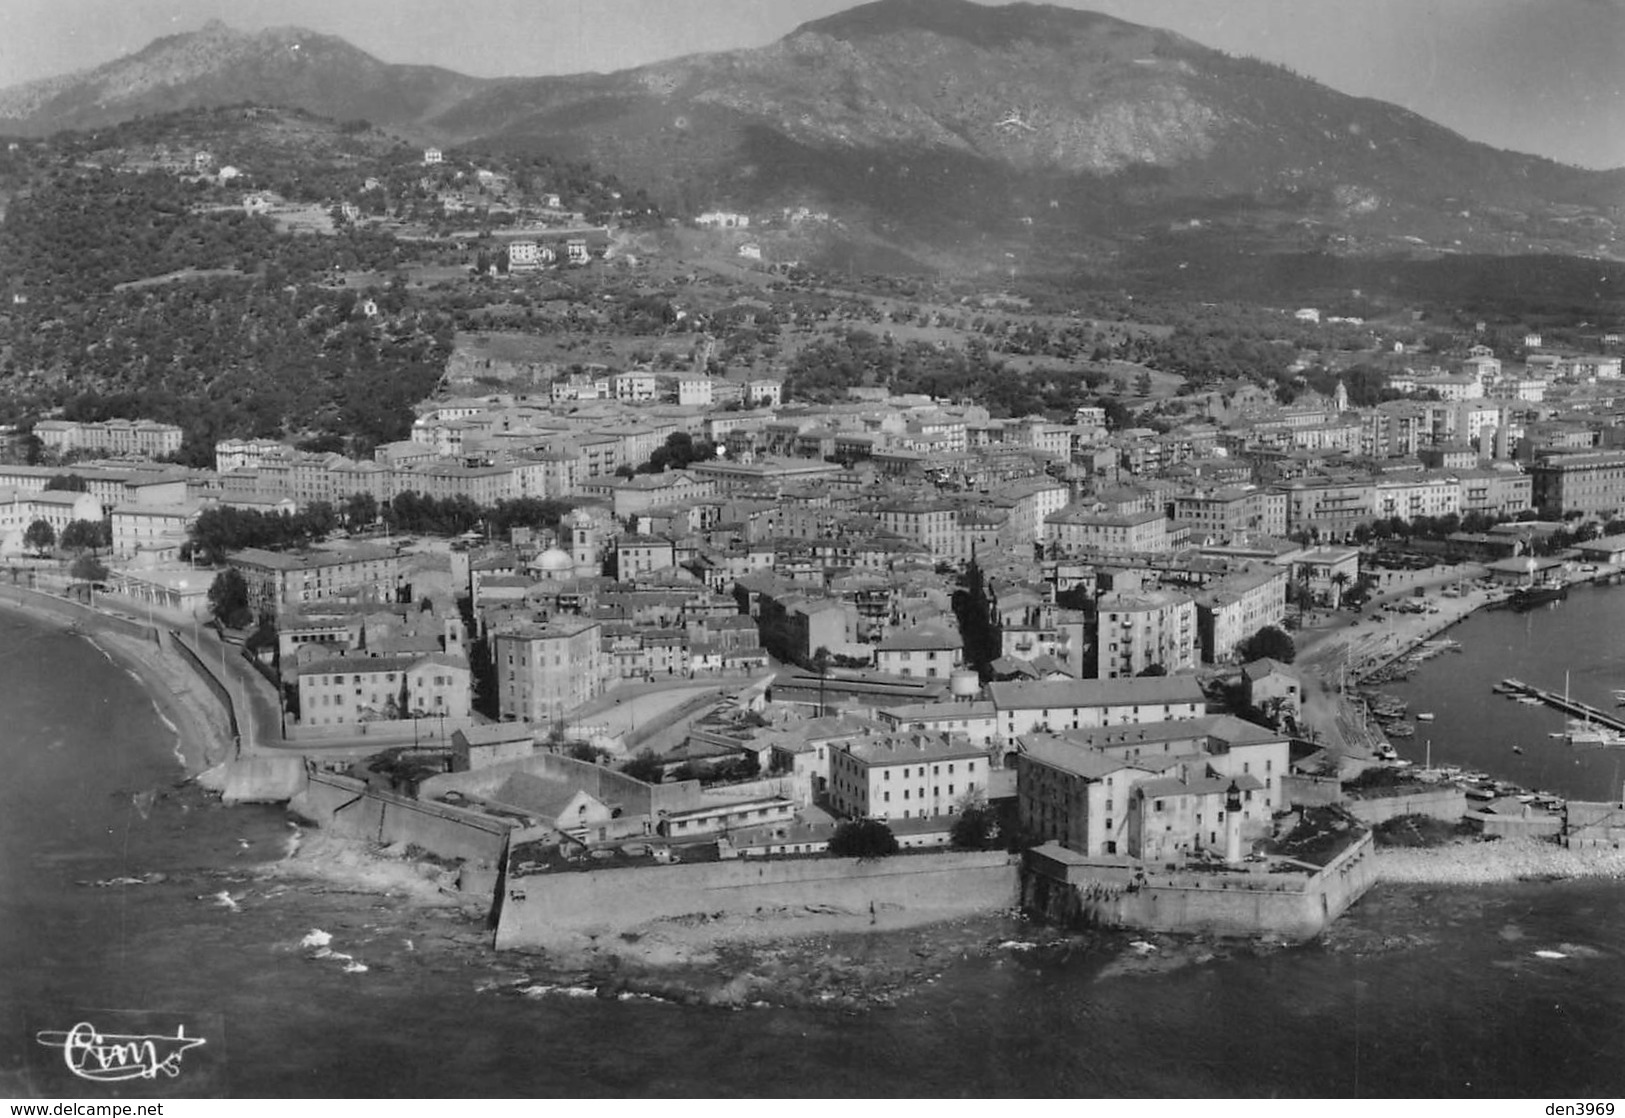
[[1447, 802], [553, 907], [1290, 905], [633, 796], [348, 807], [1311, 791], [262, 780]]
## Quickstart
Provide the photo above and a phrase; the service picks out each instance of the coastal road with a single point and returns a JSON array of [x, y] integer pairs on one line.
[[1338, 646], [259, 714]]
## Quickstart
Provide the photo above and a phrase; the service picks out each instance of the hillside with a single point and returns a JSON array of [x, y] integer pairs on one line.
[[216, 66], [937, 133]]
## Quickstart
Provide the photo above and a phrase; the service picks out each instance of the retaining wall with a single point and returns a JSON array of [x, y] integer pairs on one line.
[[1541, 825], [542, 908], [1309, 791], [263, 780], [348, 807], [1448, 803], [210, 680], [634, 796], [426, 731]]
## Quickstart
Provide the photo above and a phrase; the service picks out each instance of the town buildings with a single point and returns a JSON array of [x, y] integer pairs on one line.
[[138, 438], [905, 776], [543, 671], [352, 689], [277, 579]]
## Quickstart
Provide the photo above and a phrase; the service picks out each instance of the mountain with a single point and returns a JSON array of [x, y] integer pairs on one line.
[[218, 66], [1023, 136]]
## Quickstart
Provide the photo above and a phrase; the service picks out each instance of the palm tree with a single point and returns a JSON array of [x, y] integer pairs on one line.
[[1303, 593], [1340, 580]]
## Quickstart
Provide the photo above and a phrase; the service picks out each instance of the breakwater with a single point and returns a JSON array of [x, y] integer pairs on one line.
[[1564, 703]]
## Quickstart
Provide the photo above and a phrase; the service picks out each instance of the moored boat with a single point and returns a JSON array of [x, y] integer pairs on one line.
[[1528, 597]]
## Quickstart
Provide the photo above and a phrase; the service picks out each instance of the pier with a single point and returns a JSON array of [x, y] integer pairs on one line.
[[1562, 702]]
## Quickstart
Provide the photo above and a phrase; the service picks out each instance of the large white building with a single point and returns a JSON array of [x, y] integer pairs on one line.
[[156, 531], [1146, 629], [1154, 791], [1232, 610], [346, 690], [905, 776], [142, 438], [19, 508], [545, 671], [1081, 528], [1070, 704]]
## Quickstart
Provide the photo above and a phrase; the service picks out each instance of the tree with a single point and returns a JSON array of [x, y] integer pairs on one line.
[[863, 838], [820, 664], [228, 599], [360, 510], [88, 568], [645, 767], [976, 826], [1341, 581], [976, 607], [40, 537], [1271, 642], [85, 535]]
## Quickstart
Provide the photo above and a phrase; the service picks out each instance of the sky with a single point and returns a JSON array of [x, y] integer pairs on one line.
[[1540, 76]]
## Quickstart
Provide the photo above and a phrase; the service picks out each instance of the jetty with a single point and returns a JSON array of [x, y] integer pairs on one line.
[[1562, 702]]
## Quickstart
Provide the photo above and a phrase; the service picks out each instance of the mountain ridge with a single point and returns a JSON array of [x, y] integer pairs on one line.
[[928, 121]]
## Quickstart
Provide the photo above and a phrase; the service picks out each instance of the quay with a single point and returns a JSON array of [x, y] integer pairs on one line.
[[1564, 703]]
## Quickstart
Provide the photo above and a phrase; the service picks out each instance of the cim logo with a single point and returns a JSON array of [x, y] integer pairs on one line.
[[134, 1051]]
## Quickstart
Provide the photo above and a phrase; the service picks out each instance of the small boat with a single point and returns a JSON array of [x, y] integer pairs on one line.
[[1529, 700], [1401, 730], [1517, 749], [1425, 716]]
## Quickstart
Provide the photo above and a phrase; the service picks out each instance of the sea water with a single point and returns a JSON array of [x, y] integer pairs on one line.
[[1458, 992]]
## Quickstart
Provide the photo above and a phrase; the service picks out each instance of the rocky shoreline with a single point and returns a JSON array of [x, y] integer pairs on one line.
[[1494, 863]]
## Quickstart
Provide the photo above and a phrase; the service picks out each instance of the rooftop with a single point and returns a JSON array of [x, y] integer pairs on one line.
[[1142, 691]]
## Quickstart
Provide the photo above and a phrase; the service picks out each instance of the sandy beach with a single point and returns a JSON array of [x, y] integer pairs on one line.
[[202, 730]]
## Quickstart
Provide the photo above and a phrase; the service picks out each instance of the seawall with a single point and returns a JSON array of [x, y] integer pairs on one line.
[[554, 908], [177, 682], [347, 807], [70, 612], [1447, 802]]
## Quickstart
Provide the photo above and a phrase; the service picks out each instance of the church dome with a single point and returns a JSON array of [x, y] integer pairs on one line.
[[555, 560]]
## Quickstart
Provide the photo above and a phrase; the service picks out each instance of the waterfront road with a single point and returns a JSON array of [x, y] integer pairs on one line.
[[259, 713]]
